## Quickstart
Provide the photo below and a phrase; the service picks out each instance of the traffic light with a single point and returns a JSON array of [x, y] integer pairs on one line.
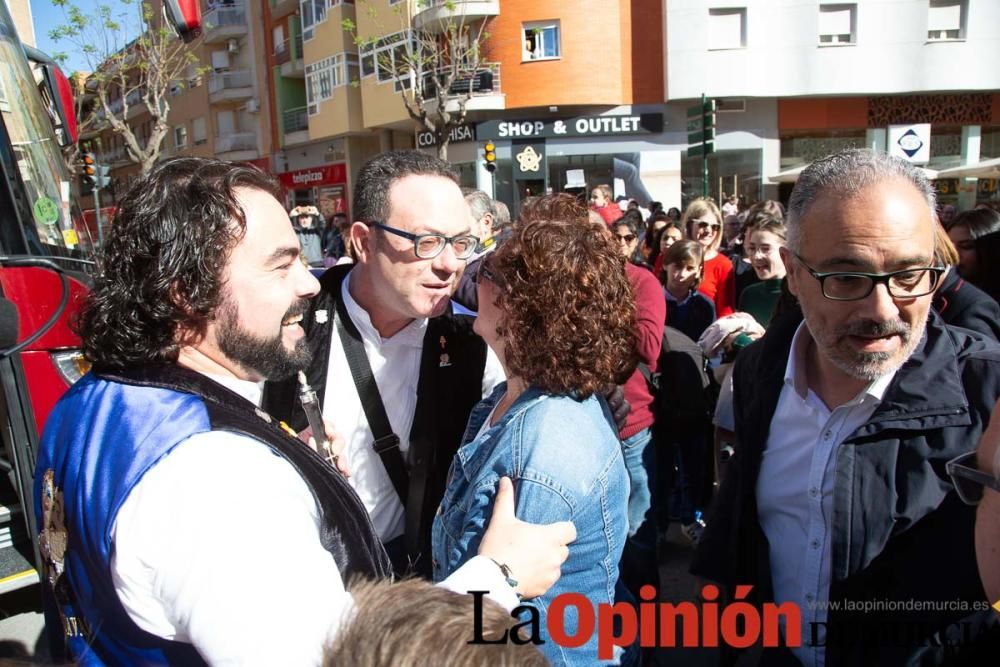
[[88, 174], [103, 176], [490, 155]]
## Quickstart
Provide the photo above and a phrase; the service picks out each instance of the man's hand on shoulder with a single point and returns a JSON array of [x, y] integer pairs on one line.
[[533, 553]]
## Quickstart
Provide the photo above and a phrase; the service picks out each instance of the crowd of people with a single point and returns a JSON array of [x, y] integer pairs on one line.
[[523, 409]]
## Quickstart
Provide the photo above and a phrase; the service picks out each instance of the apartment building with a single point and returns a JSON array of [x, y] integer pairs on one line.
[[220, 108], [545, 64], [798, 80]]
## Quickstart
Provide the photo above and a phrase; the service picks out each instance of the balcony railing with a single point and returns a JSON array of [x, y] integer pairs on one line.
[[295, 120], [229, 80], [485, 80], [237, 141], [290, 49], [113, 156], [224, 15]]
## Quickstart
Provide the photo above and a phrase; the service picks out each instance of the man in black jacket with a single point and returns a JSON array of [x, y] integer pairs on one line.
[[412, 236], [836, 499]]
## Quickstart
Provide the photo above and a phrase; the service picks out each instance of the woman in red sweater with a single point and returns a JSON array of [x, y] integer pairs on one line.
[[703, 222]]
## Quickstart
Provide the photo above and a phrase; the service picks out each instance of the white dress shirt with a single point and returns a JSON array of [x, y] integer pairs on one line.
[[218, 546], [395, 364], [795, 489]]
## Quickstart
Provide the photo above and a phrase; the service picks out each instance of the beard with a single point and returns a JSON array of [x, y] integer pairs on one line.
[[868, 366], [267, 357]]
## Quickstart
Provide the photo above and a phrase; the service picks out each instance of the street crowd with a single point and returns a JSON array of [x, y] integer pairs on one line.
[[520, 404]]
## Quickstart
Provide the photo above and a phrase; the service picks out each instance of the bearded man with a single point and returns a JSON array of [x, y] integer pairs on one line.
[[837, 499]]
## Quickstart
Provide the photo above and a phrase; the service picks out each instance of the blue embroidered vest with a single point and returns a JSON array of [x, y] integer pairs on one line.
[[105, 433]]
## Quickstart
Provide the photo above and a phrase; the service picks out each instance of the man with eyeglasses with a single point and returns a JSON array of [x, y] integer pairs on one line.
[[846, 414], [412, 236]]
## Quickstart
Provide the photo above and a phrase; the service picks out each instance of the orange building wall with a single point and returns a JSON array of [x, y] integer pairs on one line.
[[593, 68], [642, 43], [822, 113]]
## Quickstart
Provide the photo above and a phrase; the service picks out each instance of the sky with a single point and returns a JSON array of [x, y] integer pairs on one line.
[[46, 17]]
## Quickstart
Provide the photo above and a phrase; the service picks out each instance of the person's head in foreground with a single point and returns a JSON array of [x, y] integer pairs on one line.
[[555, 303]]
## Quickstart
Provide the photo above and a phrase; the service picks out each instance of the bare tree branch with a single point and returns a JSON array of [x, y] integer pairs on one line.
[[435, 67]]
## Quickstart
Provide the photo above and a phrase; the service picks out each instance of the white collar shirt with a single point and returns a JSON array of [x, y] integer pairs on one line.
[[795, 490], [395, 364]]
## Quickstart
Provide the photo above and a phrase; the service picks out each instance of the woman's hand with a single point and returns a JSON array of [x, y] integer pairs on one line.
[[534, 553]]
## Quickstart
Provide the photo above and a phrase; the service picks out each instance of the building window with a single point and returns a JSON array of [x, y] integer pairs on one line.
[[946, 20], [727, 28], [838, 24], [389, 59], [541, 41], [325, 75], [180, 136], [200, 131], [313, 12]]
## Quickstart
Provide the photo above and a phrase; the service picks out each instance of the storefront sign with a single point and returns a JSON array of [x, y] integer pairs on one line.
[[528, 158], [585, 126], [911, 142], [457, 134], [304, 179]]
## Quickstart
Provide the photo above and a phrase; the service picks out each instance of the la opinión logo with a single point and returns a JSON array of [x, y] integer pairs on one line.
[[738, 624]]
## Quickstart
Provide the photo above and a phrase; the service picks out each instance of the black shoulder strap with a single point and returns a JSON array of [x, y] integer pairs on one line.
[[386, 443]]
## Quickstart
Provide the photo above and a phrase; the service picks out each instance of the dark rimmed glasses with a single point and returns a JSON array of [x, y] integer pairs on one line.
[[483, 272], [968, 479], [429, 246], [857, 285], [627, 238]]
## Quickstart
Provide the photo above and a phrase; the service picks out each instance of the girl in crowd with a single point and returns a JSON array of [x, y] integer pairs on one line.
[[602, 200], [688, 310], [557, 309], [969, 231], [703, 223], [763, 241]]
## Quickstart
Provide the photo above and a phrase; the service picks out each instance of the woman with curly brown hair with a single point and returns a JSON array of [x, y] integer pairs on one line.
[[556, 307]]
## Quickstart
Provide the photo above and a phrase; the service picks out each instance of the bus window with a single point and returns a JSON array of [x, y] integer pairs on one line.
[[33, 166]]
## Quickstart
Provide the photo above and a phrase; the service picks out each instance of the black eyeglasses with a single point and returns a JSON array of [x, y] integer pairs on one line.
[[483, 272], [703, 225], [968, 480], [857, 285], [627, 238], [429, 246]]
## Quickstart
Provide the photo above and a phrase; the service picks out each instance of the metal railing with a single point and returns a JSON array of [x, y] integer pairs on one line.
[[228, 80], [225, 15], [237, 141], [295, 120], [288, 50], [485, 80]]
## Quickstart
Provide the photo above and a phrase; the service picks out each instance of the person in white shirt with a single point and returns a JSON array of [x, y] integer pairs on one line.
[[180, 522], [412, 236]]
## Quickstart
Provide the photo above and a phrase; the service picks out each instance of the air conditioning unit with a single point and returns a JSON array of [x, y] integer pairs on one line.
[[233, 46], [253, 106]]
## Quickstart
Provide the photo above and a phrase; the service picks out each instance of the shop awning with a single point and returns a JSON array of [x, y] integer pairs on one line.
[[984, 169], [792, 175]]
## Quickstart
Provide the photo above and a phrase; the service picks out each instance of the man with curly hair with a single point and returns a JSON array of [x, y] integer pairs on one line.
[[181, 523]]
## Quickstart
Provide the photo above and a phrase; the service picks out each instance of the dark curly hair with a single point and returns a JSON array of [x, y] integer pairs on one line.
[[567, 308], [162, 263]]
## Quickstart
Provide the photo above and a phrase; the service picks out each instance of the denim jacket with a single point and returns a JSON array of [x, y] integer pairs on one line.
[[565, 460]]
